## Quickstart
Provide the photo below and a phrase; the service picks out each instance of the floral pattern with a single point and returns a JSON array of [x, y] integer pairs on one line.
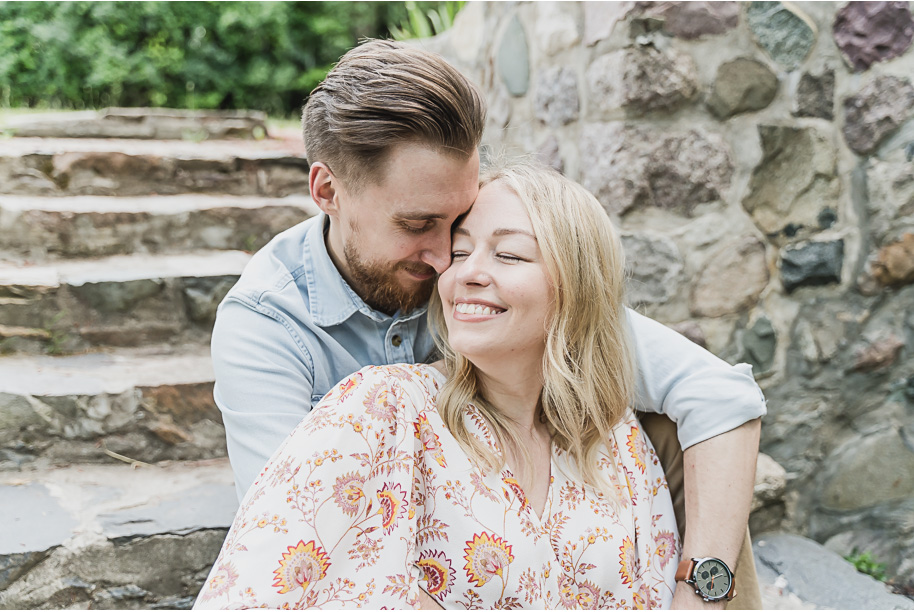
[[371, 499]]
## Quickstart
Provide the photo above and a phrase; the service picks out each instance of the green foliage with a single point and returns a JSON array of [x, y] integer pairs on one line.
[[865, 564], [424, 19], [256, 55]]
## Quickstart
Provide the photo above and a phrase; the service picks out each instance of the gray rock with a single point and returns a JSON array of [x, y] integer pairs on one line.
[[641, 80], [889, 200], [513, 59], [870, 32], [794, 181], [550, 154], [869, 471], [816, 95], [691, 20], [112, 297], [817, 576], [759, 343], [784, 32], [600, 19], [203, 296], [732, 280], [813, 264], [556, 101], [653, 268], [768, 506], [742, 85], [876, 111], [627, 167], [556, 29], [692, 331]]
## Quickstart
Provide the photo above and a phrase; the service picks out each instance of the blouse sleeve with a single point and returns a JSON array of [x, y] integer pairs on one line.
[[331, 520]]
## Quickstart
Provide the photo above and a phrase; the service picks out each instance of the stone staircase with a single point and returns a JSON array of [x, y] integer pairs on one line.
[[115, 490]]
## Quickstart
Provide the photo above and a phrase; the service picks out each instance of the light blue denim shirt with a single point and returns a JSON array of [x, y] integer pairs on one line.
[[291, 328]]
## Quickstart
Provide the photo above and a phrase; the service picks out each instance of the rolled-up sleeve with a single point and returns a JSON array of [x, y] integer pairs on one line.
[[263, 385], [704, 395]]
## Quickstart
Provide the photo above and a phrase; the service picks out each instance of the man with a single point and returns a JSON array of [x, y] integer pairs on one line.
[[392, 137]]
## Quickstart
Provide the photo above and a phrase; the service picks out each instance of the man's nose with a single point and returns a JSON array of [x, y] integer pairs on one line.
[[437, 254]]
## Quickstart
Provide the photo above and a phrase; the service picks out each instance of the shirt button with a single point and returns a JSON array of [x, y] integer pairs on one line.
[[396, 340]]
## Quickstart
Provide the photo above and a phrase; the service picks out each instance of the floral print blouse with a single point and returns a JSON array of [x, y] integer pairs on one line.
[[371, 499]]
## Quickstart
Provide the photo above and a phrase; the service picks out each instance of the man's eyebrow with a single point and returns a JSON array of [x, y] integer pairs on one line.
[[499, 232], [418, 216]]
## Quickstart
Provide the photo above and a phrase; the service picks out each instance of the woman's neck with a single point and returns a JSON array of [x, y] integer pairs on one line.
[[514, 391]]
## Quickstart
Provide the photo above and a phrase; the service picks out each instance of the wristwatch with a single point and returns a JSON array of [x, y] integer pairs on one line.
[[709, 576]]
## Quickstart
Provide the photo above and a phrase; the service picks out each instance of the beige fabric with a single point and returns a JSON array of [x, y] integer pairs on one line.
[[662, 433]]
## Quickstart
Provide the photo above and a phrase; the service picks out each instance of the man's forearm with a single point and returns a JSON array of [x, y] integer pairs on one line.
[[719, 477]]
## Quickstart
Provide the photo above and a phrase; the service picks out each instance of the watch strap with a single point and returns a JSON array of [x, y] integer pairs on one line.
[[685, 569]]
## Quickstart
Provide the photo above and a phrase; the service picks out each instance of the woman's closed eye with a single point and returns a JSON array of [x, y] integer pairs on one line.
[[458, 255]]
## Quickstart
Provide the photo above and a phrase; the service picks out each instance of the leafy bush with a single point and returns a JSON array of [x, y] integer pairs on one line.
[[256, 55]]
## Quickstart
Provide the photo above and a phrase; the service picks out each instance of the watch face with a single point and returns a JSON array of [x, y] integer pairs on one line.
[[712, 578]]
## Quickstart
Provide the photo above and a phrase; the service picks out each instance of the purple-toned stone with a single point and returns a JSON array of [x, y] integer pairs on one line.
[[881, 106], [691, 20], [870, 32], [551, 155], [556, 101]]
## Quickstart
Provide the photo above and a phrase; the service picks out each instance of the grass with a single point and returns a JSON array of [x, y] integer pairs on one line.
[[865, 564]]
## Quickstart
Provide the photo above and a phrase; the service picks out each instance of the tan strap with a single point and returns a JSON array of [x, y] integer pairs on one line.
[[685, 569]]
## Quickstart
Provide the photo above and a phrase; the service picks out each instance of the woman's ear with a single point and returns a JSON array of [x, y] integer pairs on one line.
[[323, 187]]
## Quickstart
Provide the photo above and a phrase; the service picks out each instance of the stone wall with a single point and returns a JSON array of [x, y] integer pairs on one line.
[[759, 158]]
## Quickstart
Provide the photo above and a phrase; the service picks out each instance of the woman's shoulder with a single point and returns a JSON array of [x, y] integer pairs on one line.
[[409, 382]]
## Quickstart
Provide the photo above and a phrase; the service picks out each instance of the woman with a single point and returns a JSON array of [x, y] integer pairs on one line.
[[511, 474]]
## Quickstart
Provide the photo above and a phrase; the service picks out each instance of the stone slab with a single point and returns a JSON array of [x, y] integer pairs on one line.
[[148, 404], [123, 300], [111, 372], [121, 268], [143, 123], [112, 536], [66, 167], [86, 500], [818, 577], [40, 228]]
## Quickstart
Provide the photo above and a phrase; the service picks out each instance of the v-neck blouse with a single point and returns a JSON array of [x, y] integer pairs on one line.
[[371, 499]]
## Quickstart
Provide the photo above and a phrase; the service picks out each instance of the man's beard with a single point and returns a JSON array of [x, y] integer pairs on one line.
[[378, 286]]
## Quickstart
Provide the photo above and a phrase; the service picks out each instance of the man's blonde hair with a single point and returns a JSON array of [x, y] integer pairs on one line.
[[588, 366], [383, 93]]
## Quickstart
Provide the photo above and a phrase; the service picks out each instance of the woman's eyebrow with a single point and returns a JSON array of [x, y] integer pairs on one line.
[[504, 231]]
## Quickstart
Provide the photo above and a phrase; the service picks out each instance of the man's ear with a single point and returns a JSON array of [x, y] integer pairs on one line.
[[323, 185]]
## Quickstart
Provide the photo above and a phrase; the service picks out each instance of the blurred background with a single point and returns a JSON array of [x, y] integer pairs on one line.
[[757, 156]]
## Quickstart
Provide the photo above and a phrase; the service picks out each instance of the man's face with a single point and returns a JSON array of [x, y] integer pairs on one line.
[[392, 237]]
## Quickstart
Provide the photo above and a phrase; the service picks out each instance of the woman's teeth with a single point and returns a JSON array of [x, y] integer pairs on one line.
[[477, 309]]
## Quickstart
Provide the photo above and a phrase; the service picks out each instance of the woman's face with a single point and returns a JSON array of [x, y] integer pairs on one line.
[[497, 295]]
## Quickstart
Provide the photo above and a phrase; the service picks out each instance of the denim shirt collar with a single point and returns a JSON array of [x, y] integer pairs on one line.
[[331, 299]]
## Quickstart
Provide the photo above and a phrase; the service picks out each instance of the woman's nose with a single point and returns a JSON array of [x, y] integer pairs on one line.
[[473, 270]]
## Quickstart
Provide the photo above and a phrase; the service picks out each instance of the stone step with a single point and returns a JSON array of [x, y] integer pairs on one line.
[[112, 536], [94, 226], [796, 573], [67, 167], [147, 404], [144, 123], [122, 300]]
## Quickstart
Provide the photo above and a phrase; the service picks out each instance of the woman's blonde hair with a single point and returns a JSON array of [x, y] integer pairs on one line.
[[588, 368]]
